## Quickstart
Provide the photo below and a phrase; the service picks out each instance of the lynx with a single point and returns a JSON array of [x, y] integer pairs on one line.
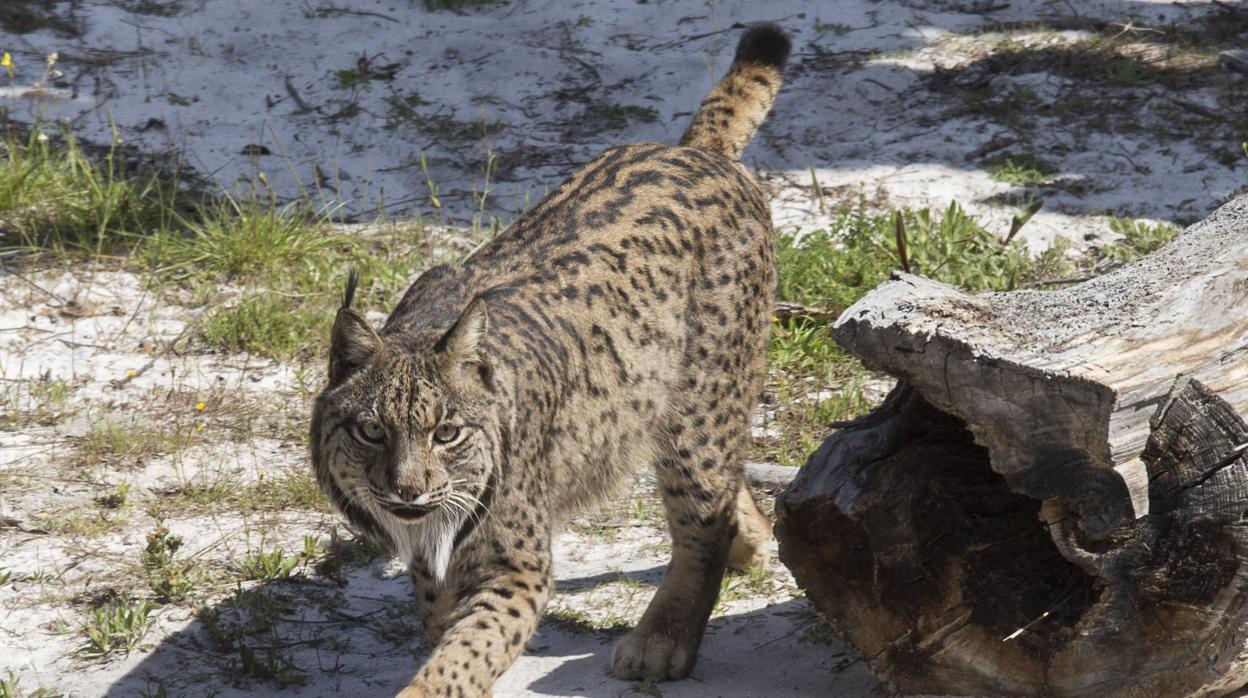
[[622, 321]]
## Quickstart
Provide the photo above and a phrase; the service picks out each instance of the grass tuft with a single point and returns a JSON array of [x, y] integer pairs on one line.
[[230, 238], [812, 381], [1019, 169], [116, 627], [54, 197], [1138, 239], [275, 564]]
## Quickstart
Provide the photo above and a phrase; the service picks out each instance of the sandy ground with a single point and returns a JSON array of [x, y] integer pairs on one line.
[[347, 97], [359, 631], [341, 100]]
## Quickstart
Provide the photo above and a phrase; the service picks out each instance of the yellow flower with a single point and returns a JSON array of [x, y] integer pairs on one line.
[[200, 407], [7, 64], [199, 427]]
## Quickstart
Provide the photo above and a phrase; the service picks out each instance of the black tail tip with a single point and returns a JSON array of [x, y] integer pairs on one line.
[[764, 43]]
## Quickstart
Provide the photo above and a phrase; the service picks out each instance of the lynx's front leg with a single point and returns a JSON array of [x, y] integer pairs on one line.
[[481, 617]]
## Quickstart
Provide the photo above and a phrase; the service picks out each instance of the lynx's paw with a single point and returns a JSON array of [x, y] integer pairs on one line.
[[654, 654]]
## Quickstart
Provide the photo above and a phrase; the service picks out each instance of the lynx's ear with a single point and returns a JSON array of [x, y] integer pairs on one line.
[[353, 341], [464, 343]]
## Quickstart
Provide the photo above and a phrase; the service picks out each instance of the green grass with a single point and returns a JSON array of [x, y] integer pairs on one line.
[[752, 583], [230, 238], [116, 627], [1019, 169], [54, 196], [804, 409], [281, 492], [81, 523], [578, 621], [110, 442], [271, 273], [811, 379], [1138, 238], [245, 625], [274, 564], [290, 263], [153, 8], [834, 267], [267, 324], [11, 687], [35, 401]]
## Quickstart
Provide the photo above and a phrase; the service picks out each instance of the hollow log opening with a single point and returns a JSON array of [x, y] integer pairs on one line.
[[946, 546]]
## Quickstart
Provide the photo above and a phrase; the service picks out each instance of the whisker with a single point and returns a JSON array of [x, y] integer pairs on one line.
[[471, 504]]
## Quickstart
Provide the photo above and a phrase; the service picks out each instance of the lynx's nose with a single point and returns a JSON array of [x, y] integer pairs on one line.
[[408, 493]]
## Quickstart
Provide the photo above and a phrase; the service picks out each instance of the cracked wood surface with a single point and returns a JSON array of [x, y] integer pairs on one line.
[[1051, 501]]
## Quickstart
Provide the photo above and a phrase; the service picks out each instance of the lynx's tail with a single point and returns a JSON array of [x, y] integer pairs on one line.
[[736, 106]]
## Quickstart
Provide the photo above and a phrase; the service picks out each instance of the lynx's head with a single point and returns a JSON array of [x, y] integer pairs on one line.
[[405, 439]]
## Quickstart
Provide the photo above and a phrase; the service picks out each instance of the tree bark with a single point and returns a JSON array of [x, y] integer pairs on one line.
[[1053, 501]]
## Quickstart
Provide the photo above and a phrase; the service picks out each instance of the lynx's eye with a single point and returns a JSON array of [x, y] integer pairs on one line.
[[370, 432], [446, 433]]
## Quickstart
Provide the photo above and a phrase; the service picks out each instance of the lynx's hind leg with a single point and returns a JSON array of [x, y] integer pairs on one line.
[[753, 532]]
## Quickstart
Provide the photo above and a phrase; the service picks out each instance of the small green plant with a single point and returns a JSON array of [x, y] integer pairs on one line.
[[616, 116], [6, 576], [160, 690], [270, 665], [1126, 72], [1019, 169], [580, 621], [116, 627], [752, 583], [365, 71], [1138, 238], [168, 578], [245, 624], [161, 548], [837, 28], [818, 631], [274, 564], [117, 499]]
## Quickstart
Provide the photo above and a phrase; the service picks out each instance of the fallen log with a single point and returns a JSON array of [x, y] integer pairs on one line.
[[1053, 501]]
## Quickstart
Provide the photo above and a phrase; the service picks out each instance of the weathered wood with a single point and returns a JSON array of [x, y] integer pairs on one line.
[[1054, 500]]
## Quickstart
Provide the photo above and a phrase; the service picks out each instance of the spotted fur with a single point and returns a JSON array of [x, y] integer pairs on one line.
[[620, 322]]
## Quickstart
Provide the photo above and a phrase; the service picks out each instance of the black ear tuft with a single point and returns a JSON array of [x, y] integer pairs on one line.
[[353, 342], [353, 282], [764, 43]]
